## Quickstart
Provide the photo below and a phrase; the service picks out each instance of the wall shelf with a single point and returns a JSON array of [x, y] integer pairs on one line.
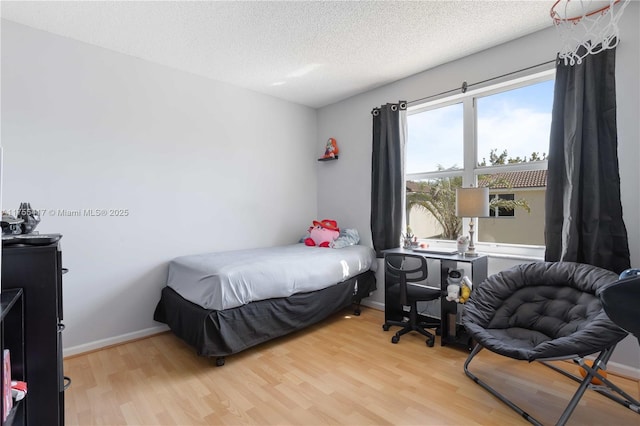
[[328, 159]]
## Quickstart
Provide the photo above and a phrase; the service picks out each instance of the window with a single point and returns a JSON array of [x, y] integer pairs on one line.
[[496, 210], [496, 137]]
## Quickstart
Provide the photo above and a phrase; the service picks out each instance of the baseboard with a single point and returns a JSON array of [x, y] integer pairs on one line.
[[623, 370], [111, 341], [373, 304]]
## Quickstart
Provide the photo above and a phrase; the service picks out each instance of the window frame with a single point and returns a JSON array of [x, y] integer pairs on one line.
[[470, 169]]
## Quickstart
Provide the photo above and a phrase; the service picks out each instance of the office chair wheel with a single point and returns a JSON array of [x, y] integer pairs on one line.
[[385, 327], [430, 342], [395, 339]]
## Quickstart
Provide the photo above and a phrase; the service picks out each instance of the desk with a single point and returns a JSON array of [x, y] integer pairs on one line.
[[450, 332]]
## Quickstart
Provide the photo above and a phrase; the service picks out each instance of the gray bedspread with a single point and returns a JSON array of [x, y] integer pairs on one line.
[[234, 278]]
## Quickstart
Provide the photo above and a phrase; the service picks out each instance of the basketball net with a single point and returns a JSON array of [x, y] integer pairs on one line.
[[586, 27]]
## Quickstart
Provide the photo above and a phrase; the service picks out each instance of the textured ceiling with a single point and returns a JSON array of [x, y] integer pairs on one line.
[[312, 53]]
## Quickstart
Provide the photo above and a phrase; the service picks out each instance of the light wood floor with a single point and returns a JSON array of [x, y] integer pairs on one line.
[[343, 371]]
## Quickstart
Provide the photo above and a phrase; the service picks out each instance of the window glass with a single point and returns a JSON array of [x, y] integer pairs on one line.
[[516, 216], [497, 210], [431, 206], [514, 126], [435, 140]]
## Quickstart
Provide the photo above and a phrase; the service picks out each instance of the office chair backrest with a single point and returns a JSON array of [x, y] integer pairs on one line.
[[621, 302], [405, 268]]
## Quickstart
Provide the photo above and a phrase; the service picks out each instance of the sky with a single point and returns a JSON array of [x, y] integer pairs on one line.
[[518, 121]]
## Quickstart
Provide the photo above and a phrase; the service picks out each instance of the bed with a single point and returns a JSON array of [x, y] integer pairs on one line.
[[223, 303]]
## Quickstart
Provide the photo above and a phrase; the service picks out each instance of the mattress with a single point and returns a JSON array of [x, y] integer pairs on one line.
[[230, 279]]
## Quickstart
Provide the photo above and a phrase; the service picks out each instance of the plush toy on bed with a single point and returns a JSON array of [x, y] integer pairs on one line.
[[323, 234]]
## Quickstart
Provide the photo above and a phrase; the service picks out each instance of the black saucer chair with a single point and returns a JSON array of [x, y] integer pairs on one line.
[[547, 311]]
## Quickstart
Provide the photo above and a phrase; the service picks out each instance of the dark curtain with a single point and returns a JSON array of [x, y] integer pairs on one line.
[[387, 175], [583, 209]]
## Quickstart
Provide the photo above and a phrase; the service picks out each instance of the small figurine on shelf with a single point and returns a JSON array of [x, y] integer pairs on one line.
[[331, 150]]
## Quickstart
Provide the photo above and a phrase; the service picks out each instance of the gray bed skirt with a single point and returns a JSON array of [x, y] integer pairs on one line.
[[221, 333]]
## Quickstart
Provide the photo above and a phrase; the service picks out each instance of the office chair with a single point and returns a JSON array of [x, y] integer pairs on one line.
[[401, 271]]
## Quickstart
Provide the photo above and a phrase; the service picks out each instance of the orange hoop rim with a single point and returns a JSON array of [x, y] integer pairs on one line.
[[556, 16]]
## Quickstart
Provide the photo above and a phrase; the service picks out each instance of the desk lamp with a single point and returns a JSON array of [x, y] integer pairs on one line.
[[472, 203]]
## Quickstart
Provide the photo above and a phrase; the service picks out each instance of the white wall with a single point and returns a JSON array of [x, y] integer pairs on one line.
[[200, 166], [344, 188]]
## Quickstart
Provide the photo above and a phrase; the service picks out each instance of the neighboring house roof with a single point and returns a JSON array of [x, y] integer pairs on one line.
[[413, 186], [523, 179]]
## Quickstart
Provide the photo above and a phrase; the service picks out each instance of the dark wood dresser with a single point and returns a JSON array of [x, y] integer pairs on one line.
[[37, 270]]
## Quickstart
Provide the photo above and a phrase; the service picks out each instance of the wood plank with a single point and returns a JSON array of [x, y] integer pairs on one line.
[[343, 371]]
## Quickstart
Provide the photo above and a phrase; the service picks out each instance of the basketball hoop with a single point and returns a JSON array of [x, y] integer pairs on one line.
[[586, 27]]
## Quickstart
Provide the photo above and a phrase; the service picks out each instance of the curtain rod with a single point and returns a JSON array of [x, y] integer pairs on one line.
[[466, 86]]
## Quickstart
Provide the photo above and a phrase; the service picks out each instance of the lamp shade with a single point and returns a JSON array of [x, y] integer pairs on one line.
[[472, 202]]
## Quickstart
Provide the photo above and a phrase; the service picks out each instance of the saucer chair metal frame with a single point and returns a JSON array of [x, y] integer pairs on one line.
[[518, 313]]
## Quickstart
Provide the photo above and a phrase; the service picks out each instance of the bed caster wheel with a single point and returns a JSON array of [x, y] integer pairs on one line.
[[430, 342], [395, 339], [385, 327], [356, 312], [220, 361]]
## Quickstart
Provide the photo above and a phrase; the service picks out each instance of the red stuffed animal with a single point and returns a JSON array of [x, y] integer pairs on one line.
[[323, 233]]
